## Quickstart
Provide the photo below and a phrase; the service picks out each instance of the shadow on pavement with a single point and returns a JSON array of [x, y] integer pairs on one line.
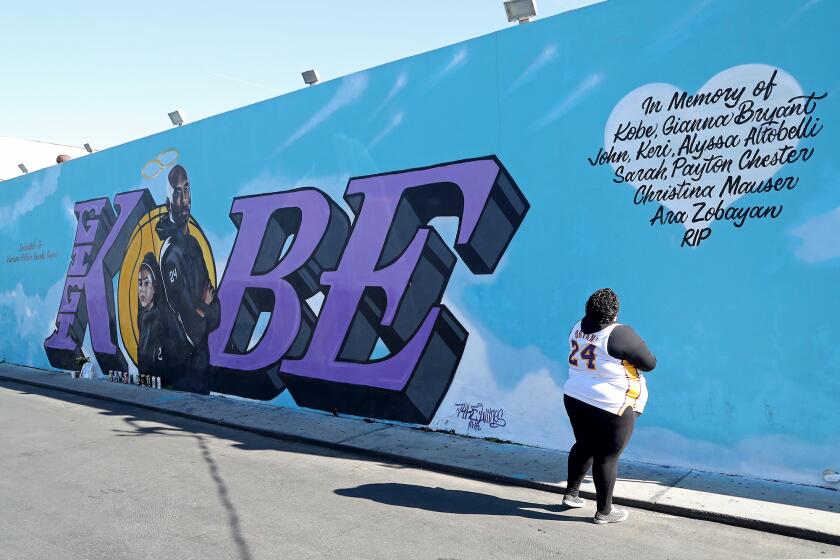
[[442, 500]]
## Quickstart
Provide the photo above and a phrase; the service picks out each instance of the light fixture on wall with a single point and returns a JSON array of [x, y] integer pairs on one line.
[[310, 77], [521, 10], [22, 168], [176, 117], [88, 148]]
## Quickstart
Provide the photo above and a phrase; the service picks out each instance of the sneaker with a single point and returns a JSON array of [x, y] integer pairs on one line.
[[573, 501], [614, 516]]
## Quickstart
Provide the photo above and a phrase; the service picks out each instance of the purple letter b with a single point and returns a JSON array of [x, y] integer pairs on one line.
[[261, 278]]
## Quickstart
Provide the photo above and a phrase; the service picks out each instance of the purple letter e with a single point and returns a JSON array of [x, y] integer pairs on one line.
[[389, 284]]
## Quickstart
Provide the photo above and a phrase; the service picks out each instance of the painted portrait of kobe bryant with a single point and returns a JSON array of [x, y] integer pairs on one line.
[[167, 285]]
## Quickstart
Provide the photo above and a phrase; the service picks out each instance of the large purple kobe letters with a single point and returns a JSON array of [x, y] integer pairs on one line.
[[259, 279], [88, 297], [383, 280]]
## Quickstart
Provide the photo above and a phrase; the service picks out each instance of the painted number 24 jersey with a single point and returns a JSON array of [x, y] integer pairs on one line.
[[599, 379]]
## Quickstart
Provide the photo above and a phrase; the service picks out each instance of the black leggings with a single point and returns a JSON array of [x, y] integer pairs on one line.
[[600, 437]]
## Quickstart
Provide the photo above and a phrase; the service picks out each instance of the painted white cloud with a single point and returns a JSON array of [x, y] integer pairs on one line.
[[396, 121], [41, 189], [680, 31], [399, 85], [459, 58], [221, 245], [562, 107], [69, 213], [269, 182], [819, 238], [533, 407], [548, 54], [350, 90], [801, 10], [34, 320], [265, 182]]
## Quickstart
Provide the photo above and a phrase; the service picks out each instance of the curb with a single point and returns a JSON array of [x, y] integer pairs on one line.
[[692, 513]]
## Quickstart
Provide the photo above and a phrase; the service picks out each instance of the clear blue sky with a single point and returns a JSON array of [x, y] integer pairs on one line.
[[104, 72]]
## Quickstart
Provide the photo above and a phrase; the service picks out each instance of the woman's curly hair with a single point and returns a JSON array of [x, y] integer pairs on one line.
[[602, 306]]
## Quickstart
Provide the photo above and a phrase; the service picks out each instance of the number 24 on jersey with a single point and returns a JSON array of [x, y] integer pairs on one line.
[[587, 354]]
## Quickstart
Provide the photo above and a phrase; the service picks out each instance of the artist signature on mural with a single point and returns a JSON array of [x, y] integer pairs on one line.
[[31, 251], [477, 415]]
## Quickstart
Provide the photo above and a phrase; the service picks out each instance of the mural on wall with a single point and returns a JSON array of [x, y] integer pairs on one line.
[[414, 242], [384, 278]]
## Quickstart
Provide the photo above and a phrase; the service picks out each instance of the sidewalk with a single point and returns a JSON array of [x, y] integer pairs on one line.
[[787, 509]]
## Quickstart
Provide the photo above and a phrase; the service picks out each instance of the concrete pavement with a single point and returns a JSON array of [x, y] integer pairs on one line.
[[87, 478], [786, 509]]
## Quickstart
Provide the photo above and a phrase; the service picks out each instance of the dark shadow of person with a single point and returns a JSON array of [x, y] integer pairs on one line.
[[452, 501]]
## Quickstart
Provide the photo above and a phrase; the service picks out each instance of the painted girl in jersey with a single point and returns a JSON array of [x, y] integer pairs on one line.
[[151, 318]]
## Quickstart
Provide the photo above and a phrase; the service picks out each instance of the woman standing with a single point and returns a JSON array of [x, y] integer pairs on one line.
[[603, 396]]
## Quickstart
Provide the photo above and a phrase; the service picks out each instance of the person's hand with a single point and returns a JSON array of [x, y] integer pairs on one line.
[[208, 293]]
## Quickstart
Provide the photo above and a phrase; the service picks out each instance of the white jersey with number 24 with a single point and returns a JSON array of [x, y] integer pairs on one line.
[[598, 379]]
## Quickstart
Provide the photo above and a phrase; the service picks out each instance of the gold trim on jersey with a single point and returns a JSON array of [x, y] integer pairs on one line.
[[634, 386]]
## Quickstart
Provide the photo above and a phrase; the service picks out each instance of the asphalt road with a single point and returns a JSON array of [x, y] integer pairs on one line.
[[89, 479]]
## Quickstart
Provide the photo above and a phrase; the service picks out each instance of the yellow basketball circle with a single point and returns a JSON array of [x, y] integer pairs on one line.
[[144, 239]]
